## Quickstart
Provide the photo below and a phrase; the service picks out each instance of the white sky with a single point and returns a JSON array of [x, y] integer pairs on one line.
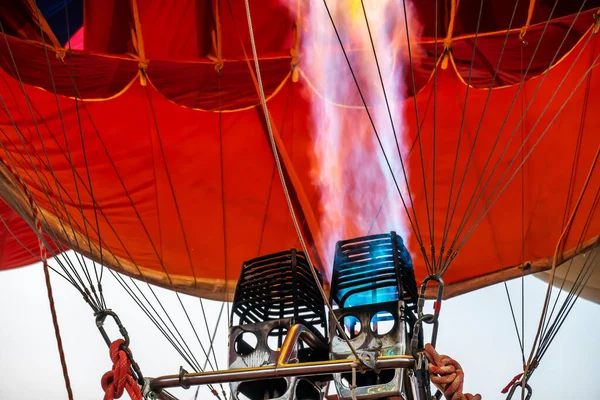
[[476, 329]]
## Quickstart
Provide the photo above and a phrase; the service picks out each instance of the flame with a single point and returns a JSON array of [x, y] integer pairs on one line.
[[357, 193]]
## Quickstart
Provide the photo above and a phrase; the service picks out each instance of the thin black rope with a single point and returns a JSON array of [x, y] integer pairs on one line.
[[435, 94], [171, 186], [66, 192], [214, 336], [98, 279], [578, 247], [471, 206], [36, 256], [84, 152], [92, 194], [591, 266], [486, 210], [83, 289], [448, 221], [94, 294], [505, 120], [180, 218], [183, 350], [522, 222], [573, 171], [223, 201], [282, 130], [168, 334], [512, 312]]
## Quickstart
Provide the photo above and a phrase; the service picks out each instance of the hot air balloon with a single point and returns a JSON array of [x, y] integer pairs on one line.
[[173, 147]]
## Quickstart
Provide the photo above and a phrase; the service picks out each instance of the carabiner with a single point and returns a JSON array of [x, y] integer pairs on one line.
[[437, 305], [428, 318], [514, 387], [101, 317]]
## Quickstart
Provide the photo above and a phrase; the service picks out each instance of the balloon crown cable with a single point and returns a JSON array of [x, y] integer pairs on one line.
[[275, 295], [374, 286]]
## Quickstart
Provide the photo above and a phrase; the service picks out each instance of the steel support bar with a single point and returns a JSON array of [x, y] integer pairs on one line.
[[285, 370]]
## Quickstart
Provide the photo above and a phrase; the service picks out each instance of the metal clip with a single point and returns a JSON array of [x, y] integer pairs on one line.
[[514, 387], [437, 305], [101, 317], [428, 318], [182, 374]]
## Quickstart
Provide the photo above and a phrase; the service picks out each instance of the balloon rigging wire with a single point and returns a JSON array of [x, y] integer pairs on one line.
[[522, 339], [282, 130], [27, 249], [223, 198], [89, 278], [268, 123], [485, 212], [454, 5], [152, 111], [573, 169], [572, 180], [93, 300], [471, 206], [145, 229], [448, 221], [84, 152], [180, 346], [532, 361], [82, 261], [55, 255]]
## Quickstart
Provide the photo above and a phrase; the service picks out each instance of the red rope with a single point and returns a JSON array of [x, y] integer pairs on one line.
[[63, 361], [447, 375], [44, 259], [116, 381]]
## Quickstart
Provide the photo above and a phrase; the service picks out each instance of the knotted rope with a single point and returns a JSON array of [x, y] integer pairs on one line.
[[447, 375], [116, 381]]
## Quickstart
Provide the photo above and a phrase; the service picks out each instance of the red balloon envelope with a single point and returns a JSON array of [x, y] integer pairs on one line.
[[151, 141]]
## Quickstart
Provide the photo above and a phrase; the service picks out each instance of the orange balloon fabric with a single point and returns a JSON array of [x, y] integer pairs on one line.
[[182, 186]]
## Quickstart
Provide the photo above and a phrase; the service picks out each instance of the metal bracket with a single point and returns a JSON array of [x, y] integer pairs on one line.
[[368, 359]]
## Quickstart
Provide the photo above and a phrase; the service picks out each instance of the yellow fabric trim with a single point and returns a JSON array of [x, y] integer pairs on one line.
[[268, 98], [588, 32]]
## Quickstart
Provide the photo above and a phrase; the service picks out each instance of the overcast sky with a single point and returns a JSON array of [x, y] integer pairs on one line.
[[476, 329]]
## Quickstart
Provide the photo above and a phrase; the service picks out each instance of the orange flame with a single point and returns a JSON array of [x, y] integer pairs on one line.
[[358, 194]]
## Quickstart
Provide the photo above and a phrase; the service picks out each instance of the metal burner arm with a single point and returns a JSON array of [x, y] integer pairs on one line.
[[282, 369]]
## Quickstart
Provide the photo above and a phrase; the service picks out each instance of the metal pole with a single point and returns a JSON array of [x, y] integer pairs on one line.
[[285, 370]]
